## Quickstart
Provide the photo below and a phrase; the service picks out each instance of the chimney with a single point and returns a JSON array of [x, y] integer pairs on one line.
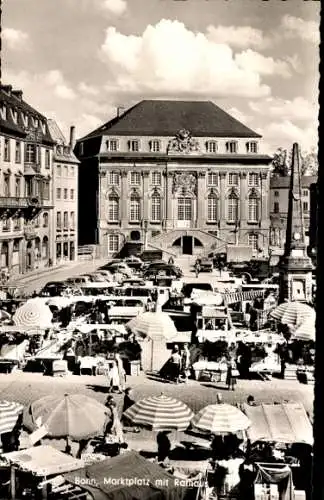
[[72, 137], [120, 111], [18, 94]]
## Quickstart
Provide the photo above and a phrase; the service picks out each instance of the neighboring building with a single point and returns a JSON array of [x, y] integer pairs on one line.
[[65, 196], [26, 204], [279, 189], [181, 176]]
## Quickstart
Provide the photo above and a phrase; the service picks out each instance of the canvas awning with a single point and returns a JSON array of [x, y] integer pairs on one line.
[[42, 461], [283, 423]]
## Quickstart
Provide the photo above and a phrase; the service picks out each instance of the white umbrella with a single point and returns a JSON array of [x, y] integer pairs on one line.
[[59, 302], [306, 331], [220, 419], [9, 413], [292, 313], [160, 413], [33, 315], [153, 324]]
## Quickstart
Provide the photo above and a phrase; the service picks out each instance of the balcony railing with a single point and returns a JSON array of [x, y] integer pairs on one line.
[[30, 167], [20, 201], [30, 233]]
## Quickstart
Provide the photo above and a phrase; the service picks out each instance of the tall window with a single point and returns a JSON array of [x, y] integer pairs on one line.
[[72, 220], [66, 220], [6, 185], [114, 178], [253, 241], [6, 155], [17, 187], [65, 193], [233, 179], [45, 219], [254, 179], [212, 208], [59, 220], [156, 208], [18, 152], [276, 207], [212, 179], [156, 178], [252, 147], [231, 147], [72, 171], [305, 206], [59, 170], [232, 208], [71, 194], [276, 193], [113, 243], [47, 158], [184, 209], [46, 190], [254, 208], [135, 209], [211, 147], [155, 146], [58, 193], [133, 145], [30, 153], [135, 178], [66, 171], [113, 209], [112, 145]]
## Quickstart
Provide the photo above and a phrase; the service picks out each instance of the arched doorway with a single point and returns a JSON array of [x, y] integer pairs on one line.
[[187, 245], [4, 255], [29, 256], [135, 235], [37, 250], [45, 248]]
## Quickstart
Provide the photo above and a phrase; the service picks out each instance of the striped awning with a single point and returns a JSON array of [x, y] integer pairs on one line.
[[9, 413], [231, 298], [220, 418]]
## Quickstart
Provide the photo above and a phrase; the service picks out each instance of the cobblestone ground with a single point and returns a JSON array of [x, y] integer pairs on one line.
[[27, 387]]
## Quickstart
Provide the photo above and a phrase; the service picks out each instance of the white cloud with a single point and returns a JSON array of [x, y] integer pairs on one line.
[[239, 115], [60, 88], [169, 59], [15, 39], [295, 27], [285, 133], [298, 109], [237, 36], [86, 89], [87, 123], [253, 61], [116, 7]]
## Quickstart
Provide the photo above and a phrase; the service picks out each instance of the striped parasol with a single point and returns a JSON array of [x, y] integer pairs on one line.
[[160, 413], [292, 313], [33, 315], [4, 315], [9, 413], [153, 324], [220, 418], [306, 331]]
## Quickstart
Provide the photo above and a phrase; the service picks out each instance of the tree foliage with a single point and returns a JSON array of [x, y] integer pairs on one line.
[[281, 162]]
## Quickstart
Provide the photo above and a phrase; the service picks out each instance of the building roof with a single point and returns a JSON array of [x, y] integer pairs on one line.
[[13, 100], [63, 151], [284, 182], [166, 118]]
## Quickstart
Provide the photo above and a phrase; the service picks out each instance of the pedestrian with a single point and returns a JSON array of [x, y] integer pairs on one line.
[[128, 400], [232, 374], [197, 269], [171, 261], [164, 446], [250, 401], [175, 364], [185, 362], [121, 371]]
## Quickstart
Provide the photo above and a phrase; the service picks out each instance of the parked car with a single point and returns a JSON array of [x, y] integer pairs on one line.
[[188, 287], [134, 262], [206, 265], [53, 289], [162, 267]]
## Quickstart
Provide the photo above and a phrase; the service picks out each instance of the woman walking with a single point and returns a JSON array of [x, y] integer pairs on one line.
[[185, 362], [232, 374]]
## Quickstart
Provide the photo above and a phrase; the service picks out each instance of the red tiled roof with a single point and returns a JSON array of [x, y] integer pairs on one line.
[[166, 118]]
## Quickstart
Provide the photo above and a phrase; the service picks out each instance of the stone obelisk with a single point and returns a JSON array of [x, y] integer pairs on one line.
[[295, 265]]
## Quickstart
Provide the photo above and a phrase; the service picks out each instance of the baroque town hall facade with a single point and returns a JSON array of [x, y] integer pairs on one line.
[[181, 176]]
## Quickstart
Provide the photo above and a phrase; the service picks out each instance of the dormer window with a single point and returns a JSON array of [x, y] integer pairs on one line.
[[14, 115], [81, 148], [43, 125], [133, 145], [24, 119], [66, 150], [211, 147], [155, 146], [3, 112], [112, 145], [231, 147], [252, 147], [59, 150]]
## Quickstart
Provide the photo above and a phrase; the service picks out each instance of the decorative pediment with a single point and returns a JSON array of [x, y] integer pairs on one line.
[[232, 193], [183, 142], [212, 192], [184, 183], [156, 192], [112, 193], [253, 193], [134, 192]]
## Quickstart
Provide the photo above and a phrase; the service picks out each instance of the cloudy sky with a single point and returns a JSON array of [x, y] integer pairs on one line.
[[78, 60]]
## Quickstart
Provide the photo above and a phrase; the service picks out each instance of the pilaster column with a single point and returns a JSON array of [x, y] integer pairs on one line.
[[243, 210], [265, 189], [222, 198], [10, 252], [201, 200], [124, 198], [102, 194], [145, 196], [170, 215]]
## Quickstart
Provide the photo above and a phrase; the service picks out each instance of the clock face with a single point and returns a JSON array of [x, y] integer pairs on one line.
[[296, 236]]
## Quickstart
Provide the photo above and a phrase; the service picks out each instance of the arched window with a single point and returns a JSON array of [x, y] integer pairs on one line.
[[135, 209], [4, 255], [45, 219], [37, 248], [113, 209], [232, 208], [156, 208], [254, 208], [45, 248], [212, 208]]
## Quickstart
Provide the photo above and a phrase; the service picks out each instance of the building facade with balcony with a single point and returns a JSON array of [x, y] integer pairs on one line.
[[65, 196], [279, 189], [26, 203], [182, 176]]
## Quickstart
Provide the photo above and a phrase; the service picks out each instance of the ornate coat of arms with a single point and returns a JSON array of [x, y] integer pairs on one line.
[[183, 143], [185, 182]]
